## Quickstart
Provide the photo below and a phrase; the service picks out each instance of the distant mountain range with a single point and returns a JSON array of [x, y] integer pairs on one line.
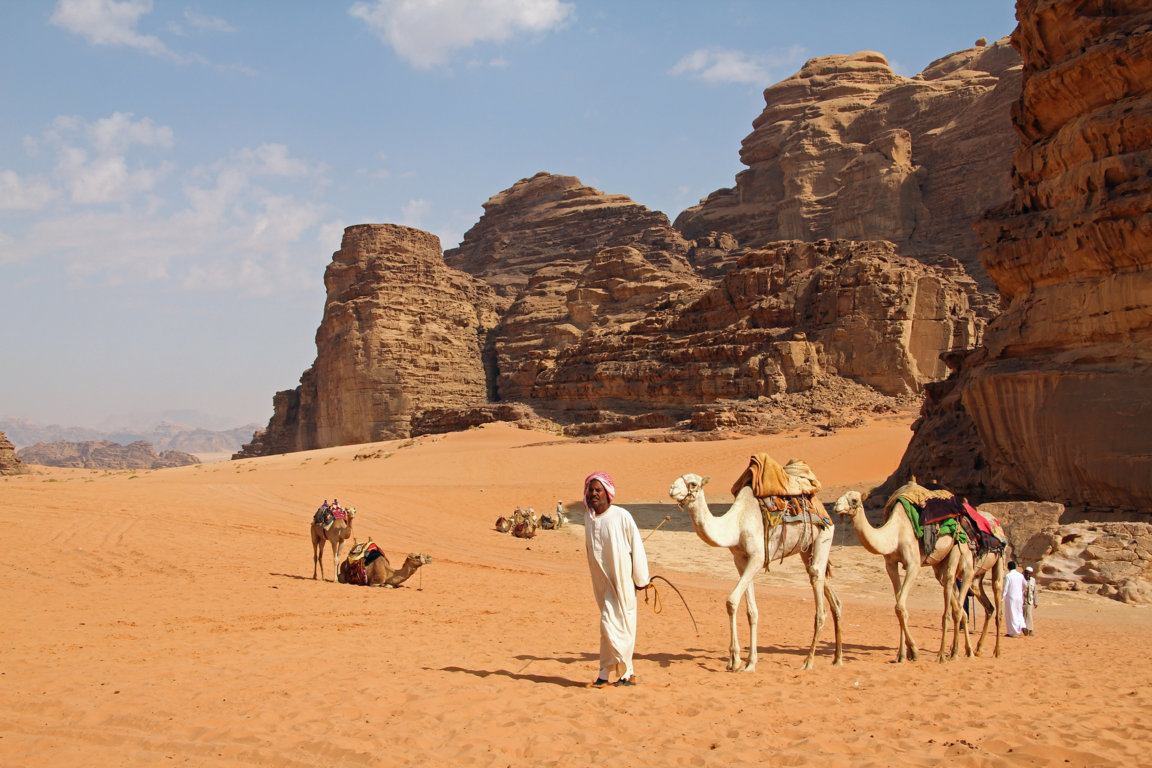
[[165, 436]]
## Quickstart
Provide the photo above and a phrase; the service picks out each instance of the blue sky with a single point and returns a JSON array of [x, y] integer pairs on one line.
[[175, 176]]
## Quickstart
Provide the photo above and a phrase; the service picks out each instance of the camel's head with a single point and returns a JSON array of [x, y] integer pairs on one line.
[[849, 504], [419, 558], [351, 512], [685, 488]]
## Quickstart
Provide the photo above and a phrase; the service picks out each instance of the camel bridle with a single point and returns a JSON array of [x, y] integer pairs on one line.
[[691, 494]]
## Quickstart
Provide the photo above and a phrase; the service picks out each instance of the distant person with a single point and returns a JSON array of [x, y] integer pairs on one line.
[[618, 567], [321, 513], [561, 518], [1014, 601], [1030, 590]]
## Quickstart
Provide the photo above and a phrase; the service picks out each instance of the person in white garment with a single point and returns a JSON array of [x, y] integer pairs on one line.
[[1014, 601], [619, 567], [1030, 590]]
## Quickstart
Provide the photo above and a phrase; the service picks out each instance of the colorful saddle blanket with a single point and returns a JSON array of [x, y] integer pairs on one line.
[[354, 568]]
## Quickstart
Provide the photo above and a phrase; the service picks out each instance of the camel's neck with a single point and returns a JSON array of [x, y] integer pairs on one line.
[[879, 541], [722, 531], [404, 572]]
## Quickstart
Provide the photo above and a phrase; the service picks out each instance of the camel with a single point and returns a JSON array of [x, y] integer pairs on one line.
[[741, 530], [379, 572], [335, 534], [896, 541]]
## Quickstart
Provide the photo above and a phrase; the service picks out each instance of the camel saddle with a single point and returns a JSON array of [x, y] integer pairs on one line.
[[768, 478], [354, 568]]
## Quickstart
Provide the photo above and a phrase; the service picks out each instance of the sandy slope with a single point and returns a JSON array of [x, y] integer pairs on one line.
[[171, 618]]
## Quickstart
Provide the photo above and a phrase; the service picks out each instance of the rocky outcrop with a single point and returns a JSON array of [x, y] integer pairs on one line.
[[104, 454], [606, 336], [402, 332], [1112, 559], [551, 221], [1060, 395], [782, 320], [848, 149], [10, 463]]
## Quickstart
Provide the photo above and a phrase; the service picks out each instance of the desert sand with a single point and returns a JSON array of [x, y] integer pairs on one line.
[[171, 618]]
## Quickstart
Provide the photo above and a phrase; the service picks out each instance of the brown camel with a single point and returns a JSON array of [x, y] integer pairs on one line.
[[380, 573], [896, 541], [335, 534]]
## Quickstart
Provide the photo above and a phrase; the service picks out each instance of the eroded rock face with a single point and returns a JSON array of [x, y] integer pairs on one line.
[[783, 319], [555, 221], [1060, 395], [1111, 559], [605, 335], [10, 463], [401, 332], [848, 149]]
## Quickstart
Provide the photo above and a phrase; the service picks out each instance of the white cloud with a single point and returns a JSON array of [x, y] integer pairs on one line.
[[414, 212], [247, 223], [92, 160], [108, 22], [723, 65], [24, 194], [197, 22], [427, 32]]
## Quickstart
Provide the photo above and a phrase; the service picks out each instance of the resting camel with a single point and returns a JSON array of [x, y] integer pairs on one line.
[[896, 541], [741, 530], [335, 534], [379, 572]]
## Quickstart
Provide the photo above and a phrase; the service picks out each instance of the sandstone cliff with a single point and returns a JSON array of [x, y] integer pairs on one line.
[[1059, 398], [848, 149], [401, 332]]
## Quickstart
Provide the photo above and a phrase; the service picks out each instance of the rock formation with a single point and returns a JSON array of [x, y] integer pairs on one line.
[[10, 463], [848, 149], [590, 311], [1060, 395], [1068, 552], [104, 454], [401, 332], [784, 318]]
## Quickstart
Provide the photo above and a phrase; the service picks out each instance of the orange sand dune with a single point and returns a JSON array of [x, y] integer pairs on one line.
[[170, 618]]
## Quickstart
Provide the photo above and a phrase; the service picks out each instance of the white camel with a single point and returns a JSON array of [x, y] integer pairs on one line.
[[896, 541], [741, 530]]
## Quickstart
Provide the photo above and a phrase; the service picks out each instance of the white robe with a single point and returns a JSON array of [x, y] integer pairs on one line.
[[618, 565], [1014, 603]]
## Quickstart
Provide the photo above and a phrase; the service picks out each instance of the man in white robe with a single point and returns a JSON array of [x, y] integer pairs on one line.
[[1014, 601], [619, 567], [1030, 589]]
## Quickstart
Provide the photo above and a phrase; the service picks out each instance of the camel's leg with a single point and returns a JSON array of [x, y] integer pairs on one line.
[[967, 569], [753, 612], [835, 607], [900, 588], [998, 598], [747, 565], [989, 611], [318, 555], [946, 575], [816, 561], [336, 547]]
